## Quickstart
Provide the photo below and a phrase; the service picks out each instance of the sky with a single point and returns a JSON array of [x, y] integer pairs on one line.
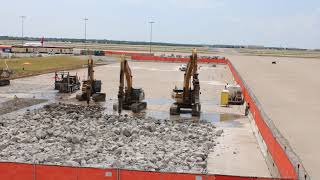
[[284, 23]]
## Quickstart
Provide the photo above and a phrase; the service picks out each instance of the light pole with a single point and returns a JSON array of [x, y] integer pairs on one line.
[[151, 23], [22, 21], [85, 29]]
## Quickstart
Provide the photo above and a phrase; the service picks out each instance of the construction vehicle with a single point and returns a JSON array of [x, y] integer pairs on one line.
[[5, 74], [5, 77], [189, 96], [235, 94], [129, 98], [66, 83], [91, 87]]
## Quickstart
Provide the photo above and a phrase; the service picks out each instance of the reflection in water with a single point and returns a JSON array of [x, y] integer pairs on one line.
[[226, 119]]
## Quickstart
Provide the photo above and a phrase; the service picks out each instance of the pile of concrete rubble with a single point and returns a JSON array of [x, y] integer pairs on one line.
[[64, 134]]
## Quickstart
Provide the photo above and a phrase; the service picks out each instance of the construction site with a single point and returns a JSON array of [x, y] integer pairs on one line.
[[137, 113], [101, 109]]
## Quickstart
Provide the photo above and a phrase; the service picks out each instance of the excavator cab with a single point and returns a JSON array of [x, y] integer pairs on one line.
[[188, 97]]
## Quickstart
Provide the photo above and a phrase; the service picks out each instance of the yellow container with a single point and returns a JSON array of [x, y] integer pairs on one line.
[[224, 98]]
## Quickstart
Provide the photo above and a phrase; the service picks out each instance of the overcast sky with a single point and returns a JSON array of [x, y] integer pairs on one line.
[[287, 23]]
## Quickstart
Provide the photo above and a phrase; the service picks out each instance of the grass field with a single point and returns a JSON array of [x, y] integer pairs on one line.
[[23, 67]]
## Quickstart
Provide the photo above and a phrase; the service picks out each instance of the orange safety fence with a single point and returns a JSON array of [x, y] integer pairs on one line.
[[173, 59], [127, 53], [17, 171]]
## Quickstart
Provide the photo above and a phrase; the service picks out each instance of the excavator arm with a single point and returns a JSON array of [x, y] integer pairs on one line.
[[190, 71], [124, 92]]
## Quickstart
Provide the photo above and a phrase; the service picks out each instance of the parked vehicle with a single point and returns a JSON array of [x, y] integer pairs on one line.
[[183, 67]]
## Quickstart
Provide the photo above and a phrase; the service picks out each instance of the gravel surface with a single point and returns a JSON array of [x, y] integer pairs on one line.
[[72, 135], [18, 103]]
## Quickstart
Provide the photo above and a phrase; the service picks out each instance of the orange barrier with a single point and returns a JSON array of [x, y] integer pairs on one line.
[[127, 53], [173, 59], [97, 174], [16, 171]]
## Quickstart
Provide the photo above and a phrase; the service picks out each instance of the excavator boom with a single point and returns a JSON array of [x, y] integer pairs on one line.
[[191, 70]]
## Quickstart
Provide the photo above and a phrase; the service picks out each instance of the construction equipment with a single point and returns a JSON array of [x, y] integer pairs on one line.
[[235, 94], [5, 77], [129, 98], [188, 97], [5, 74], [91, 87], [66, 83]]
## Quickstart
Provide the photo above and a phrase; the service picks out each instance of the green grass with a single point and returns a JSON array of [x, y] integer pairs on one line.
[[40, 65]]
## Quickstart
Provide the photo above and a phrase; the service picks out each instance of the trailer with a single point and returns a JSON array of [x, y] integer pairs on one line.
[[5, 77], [66, 83]]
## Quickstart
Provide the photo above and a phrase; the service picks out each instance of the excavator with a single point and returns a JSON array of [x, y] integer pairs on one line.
[[188, 97], [5, 74], [91, 87], [129, 98]]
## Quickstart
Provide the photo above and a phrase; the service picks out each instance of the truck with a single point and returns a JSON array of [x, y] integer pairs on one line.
[[235, 94]]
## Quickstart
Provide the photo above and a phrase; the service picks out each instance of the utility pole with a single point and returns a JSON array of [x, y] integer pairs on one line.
[[151, 23], [85, 29], [22, 21]]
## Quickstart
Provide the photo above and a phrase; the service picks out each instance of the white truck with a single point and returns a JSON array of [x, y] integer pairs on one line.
[[235, 94]]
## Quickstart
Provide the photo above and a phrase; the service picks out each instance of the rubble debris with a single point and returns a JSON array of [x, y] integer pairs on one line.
[[65, 134]]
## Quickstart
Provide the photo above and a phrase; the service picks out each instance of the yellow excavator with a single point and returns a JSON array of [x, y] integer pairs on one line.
[[189, 96], [129, 98], [91, 87]]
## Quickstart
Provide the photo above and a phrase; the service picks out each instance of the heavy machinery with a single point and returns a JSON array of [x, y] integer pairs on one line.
[[129, 98], [5, 77], [91, 87], [66, 83], [189, 96], [235, 94], [5, 74]]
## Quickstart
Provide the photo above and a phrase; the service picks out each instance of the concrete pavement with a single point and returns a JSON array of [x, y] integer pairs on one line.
[[289, 93]]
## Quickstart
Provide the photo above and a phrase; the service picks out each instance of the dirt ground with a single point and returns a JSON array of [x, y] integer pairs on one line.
[[237, 143]]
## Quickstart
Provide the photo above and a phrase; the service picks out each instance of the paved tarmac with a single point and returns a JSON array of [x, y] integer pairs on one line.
[[289, 93]]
